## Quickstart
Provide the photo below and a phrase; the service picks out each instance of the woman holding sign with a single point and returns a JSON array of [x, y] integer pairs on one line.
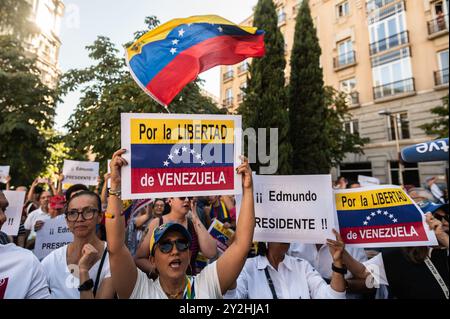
[[202, 241], [169, 250]]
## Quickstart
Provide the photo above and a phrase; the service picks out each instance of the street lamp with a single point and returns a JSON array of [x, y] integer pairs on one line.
[[396, 122]]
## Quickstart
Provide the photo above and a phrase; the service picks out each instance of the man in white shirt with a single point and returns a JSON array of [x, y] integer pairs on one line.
[[35, 220], [21, 274], [319, 257]]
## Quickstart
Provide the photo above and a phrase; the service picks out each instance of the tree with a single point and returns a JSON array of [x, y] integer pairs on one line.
[[439, 126], [107, 90], [340, 141], [264, 104], [26, 104], [307, 109], [316, 113]]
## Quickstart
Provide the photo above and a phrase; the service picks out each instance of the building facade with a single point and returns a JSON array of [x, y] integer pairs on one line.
[[391, 57], [47, 15]]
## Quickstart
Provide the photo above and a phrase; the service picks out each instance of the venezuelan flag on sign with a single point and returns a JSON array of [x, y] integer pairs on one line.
[[165, 59]]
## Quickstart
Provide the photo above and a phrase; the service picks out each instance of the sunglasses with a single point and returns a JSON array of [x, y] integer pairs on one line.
[[166, 246], [87, 213]]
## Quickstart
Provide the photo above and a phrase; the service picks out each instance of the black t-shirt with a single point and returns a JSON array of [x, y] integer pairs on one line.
[[409, 280]]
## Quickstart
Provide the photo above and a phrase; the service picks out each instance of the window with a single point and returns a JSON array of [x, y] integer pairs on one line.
[[229, 73], [352, 127], [228, 101], [443, 60], [241, 94], [348, 85], [441, 76], [388, 33], [351, 170], [342, 9], [410, 173], [402, 126], [281, 15], [345, 53]]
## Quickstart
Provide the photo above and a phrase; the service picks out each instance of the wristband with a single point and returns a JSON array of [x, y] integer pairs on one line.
[[87, 285], [342, 271]]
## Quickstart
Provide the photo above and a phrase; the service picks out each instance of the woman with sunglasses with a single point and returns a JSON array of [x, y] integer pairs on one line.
[[81, 268], [202, 241], [169, 251]]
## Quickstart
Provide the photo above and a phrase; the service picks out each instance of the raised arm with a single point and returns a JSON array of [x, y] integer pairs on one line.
[[230, 264], [143, 250], [8, 183], [105, 187], [208, 245], [436, 226], [51, 186], [60, 183], [123, 269], [31, 192]]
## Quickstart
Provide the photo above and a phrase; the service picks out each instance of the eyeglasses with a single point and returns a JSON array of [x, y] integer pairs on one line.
[[166, 246], [87, 213]]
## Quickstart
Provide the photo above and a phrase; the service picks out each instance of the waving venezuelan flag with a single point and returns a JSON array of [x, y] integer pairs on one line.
[[165, 59]]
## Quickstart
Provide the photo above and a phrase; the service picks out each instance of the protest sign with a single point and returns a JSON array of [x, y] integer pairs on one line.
[[180, 155], [368, 180], [13, 212], [293, 208], [4, 172], [381, 216], [221, 234], [53, 235], [80, 172]]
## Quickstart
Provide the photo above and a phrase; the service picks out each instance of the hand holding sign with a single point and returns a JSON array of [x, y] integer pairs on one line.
[[336, 248], [437, 226], [116, 164]]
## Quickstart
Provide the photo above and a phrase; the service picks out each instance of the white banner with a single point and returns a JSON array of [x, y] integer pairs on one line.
[[4, 171], [368, 180], [13, 212], [54, 234], [293, 208], [79, 172]]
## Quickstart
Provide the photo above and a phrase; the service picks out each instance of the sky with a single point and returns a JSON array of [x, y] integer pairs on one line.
[[84, 20]]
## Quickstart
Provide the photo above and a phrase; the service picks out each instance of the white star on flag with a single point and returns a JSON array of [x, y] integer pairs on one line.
[[378, 212], [198, 156], [166, 163], [220, 29], [175, 42], [184, 148], [192, 151], [368, 218], [170, 156], [385, 213], [373, 214], [365, 223], [176, 151], [173, 51], [391, 216], [394, 220], [203, 162], [181, 32]]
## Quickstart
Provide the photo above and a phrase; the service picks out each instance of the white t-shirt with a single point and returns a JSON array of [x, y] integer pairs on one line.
[[294, 279], [206, 285], [62, 283], [21, 274], [31, 220]]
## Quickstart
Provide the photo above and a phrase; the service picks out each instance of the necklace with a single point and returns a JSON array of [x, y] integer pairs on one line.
[[176, 295]]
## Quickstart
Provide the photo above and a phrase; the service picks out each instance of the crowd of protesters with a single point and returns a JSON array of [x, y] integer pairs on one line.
[[159, 250]]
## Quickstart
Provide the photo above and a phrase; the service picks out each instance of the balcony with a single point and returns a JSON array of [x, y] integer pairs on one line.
[[393, 89], [240, 97], [281, 18], [228, 102], [389, 43], [228, 75], [441, 77], [345, 60], [438, 26], [376, 4]]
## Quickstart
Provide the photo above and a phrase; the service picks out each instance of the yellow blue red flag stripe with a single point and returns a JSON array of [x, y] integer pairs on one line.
[[167, 58]]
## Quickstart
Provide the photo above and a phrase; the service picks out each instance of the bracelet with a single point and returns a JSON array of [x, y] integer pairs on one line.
[[114, 193], [342, 271], [87, 285], [108, 215]]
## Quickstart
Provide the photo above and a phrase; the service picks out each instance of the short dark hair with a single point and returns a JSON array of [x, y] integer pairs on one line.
[[88, 193], [75, 188]]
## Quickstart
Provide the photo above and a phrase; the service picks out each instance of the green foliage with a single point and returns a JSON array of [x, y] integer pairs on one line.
[[316, 113], [264, 104], [438, 126], [108, 90], [26, 104]]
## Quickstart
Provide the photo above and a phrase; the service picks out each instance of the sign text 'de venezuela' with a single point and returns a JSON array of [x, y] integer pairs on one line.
[[381, 216], [180, 154]]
